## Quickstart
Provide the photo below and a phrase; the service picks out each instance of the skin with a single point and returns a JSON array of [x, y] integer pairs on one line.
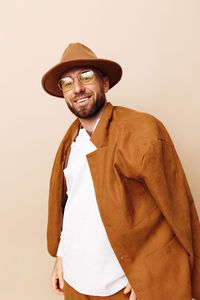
[[88, 113]]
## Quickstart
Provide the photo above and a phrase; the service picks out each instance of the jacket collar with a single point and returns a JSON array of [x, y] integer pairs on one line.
[[100, 135]]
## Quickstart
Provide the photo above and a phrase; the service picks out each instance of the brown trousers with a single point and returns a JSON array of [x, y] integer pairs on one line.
[[71, 294]]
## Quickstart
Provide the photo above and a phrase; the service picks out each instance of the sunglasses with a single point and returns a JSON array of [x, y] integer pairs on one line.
[[66, 83]]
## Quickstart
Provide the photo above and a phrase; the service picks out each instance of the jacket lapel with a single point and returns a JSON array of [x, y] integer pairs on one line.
[[99, 138]]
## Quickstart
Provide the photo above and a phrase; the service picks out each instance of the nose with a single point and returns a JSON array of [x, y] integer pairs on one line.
[[78, 86]]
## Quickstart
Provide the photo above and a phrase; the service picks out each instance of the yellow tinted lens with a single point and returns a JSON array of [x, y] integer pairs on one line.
[[86, 76], [66, 83]]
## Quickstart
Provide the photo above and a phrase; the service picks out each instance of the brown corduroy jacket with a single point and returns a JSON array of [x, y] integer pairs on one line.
[[144, 201]]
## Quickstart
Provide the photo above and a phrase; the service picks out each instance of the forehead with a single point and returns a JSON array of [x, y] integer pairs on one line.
[[74, 71]]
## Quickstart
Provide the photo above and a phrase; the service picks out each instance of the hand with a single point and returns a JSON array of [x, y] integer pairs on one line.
[[127, 290], [57, 281]]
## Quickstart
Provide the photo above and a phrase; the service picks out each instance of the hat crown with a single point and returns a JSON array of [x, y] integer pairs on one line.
[[76, 51]]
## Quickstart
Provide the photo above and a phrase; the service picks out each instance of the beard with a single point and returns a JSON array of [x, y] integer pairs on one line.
[[92, 110]]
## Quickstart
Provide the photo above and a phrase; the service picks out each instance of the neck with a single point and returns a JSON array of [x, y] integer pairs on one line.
[[89, 123]]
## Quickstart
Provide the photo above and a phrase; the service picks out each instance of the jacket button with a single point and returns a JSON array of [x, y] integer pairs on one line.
[[124, 257]]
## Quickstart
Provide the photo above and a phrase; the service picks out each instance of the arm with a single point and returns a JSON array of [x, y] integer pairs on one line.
[[57, 281]]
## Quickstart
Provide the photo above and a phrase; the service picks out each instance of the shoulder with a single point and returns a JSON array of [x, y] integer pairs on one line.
[[140, 124]]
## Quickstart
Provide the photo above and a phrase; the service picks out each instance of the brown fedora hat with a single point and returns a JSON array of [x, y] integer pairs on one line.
[[78, 55]]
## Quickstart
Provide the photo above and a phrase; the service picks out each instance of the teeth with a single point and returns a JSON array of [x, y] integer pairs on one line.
[[82, 100]]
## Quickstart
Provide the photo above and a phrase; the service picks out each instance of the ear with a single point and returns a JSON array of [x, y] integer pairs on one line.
[[106, 83]]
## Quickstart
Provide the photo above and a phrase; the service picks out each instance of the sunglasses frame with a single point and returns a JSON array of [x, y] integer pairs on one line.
[[85, 71]]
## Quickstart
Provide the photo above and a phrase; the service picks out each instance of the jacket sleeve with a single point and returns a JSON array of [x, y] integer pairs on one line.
[[164, 177], [195, 226]]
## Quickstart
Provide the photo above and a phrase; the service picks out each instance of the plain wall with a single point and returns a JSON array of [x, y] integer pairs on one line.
[[156, 43]]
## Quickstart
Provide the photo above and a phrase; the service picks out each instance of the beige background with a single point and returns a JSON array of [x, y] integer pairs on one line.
[[157, 44]]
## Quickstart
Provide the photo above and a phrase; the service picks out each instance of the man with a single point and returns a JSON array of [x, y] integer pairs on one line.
[[122, 222]]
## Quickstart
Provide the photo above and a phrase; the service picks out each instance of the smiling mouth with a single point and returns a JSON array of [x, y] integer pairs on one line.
[[82, 99]]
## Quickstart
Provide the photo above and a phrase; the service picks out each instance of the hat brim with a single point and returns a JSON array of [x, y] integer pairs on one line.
[[50, 79]]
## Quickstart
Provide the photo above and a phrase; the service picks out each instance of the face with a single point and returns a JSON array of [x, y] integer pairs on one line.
[[93, 93]]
